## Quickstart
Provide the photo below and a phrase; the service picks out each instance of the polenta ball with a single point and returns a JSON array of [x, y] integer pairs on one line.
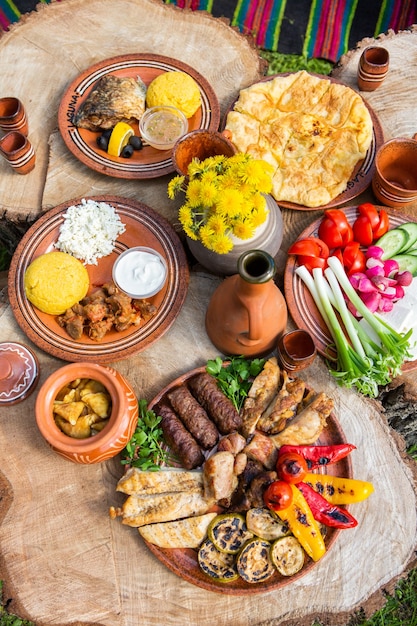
[[176, 89], [55, 281]]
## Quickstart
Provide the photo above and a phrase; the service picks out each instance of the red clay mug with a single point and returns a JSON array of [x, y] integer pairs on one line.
[[13, 115], [372, 68], [395, 179], [18, 151]]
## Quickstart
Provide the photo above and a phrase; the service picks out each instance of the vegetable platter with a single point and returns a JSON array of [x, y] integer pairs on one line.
[[301, 303], [184, 562]]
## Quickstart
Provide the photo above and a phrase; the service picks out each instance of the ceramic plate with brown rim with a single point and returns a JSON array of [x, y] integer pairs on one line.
[[145, 163], [299, 301], [184, 563], [143, 227], [362, 174]]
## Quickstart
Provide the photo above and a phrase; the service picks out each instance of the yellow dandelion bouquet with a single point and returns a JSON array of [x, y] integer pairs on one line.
[[224, 198]]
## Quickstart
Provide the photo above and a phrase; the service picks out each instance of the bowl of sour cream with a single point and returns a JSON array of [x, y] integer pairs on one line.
[[140, 272]]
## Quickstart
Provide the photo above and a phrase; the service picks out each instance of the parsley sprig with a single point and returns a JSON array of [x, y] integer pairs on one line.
[[146, 449], [235, 378]]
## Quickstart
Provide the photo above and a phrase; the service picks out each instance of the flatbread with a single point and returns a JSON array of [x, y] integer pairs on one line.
[[312, 130]]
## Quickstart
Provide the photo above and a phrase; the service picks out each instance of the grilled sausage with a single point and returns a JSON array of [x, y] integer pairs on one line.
[[181, 442], [194, 417], [221, 410]]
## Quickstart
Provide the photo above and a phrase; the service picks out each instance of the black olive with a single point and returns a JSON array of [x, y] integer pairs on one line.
[[102, 142], [106, 133], [136, 142], [127, 152]]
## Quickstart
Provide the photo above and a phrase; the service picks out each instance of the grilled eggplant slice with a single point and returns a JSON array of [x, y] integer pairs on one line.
[[254, 563], [287, 555], [229, 533], [218, 565]]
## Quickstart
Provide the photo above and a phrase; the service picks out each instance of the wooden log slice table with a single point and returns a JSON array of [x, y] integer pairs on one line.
[[63, 560]]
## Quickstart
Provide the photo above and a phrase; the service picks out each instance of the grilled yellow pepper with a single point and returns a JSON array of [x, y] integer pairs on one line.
[[339, 490], [302, 524]]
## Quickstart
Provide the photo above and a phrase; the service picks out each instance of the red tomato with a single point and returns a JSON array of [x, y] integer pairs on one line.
[[330, 234], [278, 495], [309, 246], [362, 230], [339, 218], [338, 252], [383, 225], [291, 467], [311, 262], [371, 212], [353, 258]]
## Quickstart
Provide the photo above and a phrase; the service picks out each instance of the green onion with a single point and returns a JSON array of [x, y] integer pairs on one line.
[[360, 362]]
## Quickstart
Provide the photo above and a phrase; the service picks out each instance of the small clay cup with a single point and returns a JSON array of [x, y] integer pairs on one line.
[[372, 68], [199, 144], [18, 152], [395, 179], [296, 350], [105, 444], [13, 115]]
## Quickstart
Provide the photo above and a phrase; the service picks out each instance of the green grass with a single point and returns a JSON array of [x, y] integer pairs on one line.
[[400, 608]]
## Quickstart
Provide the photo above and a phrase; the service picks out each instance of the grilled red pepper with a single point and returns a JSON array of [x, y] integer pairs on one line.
[[324, 512], [319, 456]]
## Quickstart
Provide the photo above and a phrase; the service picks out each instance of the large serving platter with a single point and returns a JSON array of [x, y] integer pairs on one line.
[[299, 301], [362, 174], [146, 163], [183, 562], [143, 227]]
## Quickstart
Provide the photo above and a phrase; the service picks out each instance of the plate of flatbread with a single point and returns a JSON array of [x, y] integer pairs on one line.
[[320, 136], [124, 80]]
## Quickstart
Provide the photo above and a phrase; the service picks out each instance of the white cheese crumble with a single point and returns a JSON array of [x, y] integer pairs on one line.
[[89, 231]]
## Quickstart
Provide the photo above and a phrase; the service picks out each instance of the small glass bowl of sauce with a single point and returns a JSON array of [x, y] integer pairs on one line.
[[140, 272], [162, 126]]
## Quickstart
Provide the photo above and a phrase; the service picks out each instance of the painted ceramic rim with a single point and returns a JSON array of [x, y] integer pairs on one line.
[[99, 160], [301, 305]]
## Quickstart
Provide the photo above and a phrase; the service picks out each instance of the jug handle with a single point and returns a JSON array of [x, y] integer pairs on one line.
[[253, 335]]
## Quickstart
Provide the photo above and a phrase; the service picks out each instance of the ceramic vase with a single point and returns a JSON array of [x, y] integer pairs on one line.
[[268, 238], [247, 313]]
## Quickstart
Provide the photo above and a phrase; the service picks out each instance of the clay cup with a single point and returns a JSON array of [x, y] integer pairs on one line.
[[13, 115], [372, 68], [296, 350], [199, 144], [395, 179]]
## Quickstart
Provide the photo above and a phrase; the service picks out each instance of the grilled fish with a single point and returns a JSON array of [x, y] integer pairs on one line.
[[113, 99]]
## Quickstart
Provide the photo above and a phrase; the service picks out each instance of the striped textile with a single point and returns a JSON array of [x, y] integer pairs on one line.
[[313, 28]]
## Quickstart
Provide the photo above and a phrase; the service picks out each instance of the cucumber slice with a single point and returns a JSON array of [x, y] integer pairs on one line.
[[218, 565], [411, 230], [254, 561], [287, 555], [392, 242], [229, 532], [407, 262]]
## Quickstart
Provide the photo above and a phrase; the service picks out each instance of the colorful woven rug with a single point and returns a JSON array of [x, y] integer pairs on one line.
[[312, 28]]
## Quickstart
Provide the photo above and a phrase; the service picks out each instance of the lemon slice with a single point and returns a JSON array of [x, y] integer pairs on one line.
[[119, 138]]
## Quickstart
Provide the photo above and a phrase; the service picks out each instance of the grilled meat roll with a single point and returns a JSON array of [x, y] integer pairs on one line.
[[221, 410], [194, 417], [181, 442]]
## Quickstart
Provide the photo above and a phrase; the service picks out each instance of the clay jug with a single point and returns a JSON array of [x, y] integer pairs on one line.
[[247, 312]]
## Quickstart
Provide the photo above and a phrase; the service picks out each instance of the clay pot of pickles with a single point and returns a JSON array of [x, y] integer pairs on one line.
[[247, 313], [108, 435]]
